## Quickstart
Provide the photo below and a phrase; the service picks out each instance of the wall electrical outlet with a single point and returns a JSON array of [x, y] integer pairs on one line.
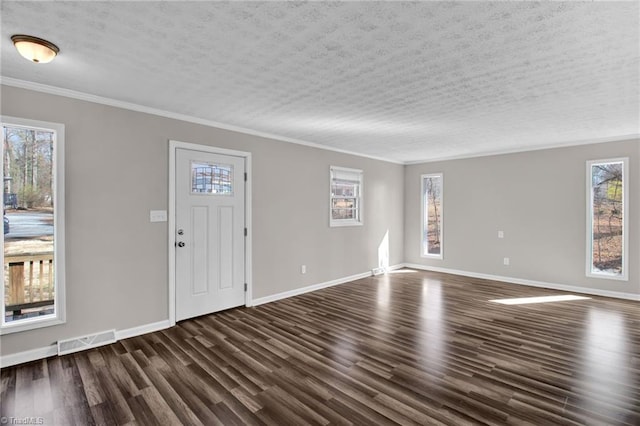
[[506, 261]]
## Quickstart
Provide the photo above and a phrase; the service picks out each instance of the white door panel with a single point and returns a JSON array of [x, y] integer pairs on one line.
[[209, 233]]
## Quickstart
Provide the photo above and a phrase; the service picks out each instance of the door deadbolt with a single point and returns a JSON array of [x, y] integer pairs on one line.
[[180, 232]]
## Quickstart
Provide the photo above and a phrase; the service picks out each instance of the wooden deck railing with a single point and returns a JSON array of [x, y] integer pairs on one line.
[[30, 281]]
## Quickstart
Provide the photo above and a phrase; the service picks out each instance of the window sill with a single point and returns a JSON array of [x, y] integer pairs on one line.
[[605, 276], [335, 224], [30, 324], [432, 256]]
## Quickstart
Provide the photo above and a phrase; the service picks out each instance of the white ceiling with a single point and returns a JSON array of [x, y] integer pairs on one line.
[[401, 81]]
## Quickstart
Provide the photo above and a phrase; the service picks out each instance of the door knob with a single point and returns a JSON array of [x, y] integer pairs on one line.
[[180, 244]]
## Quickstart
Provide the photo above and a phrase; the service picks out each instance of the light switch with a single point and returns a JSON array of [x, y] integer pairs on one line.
[[500, 234], [158, 216]]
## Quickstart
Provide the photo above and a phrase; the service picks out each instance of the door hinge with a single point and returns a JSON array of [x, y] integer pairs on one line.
[[245, 176], [245, 232], [245, 286]]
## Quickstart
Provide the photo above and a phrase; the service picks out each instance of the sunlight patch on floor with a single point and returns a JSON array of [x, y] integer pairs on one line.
[[539, 299]]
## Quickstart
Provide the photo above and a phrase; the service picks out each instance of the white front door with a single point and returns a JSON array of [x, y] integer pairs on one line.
[[210, 242]]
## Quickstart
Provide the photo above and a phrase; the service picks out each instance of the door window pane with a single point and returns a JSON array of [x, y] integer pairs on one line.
[[207, 178]]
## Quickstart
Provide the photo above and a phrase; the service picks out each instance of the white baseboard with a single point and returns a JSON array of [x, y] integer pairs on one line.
[[47, 351], [27, 356], [396, 267], [314, 287], [531, 283], [142, 329]]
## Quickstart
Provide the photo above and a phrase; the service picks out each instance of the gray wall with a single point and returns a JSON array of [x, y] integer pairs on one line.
[[117, 170], [538, 199]]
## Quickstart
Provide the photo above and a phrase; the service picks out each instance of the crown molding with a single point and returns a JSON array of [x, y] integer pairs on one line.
[[554, 145], [67, 93], [53, 90]]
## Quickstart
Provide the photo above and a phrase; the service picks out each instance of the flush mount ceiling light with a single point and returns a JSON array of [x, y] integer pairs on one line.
[[35, 49]]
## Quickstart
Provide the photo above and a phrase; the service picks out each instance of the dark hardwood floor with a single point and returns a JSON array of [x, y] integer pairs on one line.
[[409, 347]]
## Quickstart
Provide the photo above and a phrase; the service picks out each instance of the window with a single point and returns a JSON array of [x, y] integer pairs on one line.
[[607, 219], [432, 215], [346, 197], [33, 239]]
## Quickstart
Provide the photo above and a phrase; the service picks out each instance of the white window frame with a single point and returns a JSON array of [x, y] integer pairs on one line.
[[423, 218], [625, 221], [59, 315], [358, 221]]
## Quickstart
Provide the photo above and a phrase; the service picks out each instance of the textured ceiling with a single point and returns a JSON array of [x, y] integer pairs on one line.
[[402, 81]]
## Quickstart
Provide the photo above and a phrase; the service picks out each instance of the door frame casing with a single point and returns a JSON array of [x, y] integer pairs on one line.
[[171, 226]]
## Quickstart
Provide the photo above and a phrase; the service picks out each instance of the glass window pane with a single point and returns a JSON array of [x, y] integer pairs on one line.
[[607, 188], [343, 203], [29, 285], [432, 199], [344, 189], [338, 214], [207, 178]]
